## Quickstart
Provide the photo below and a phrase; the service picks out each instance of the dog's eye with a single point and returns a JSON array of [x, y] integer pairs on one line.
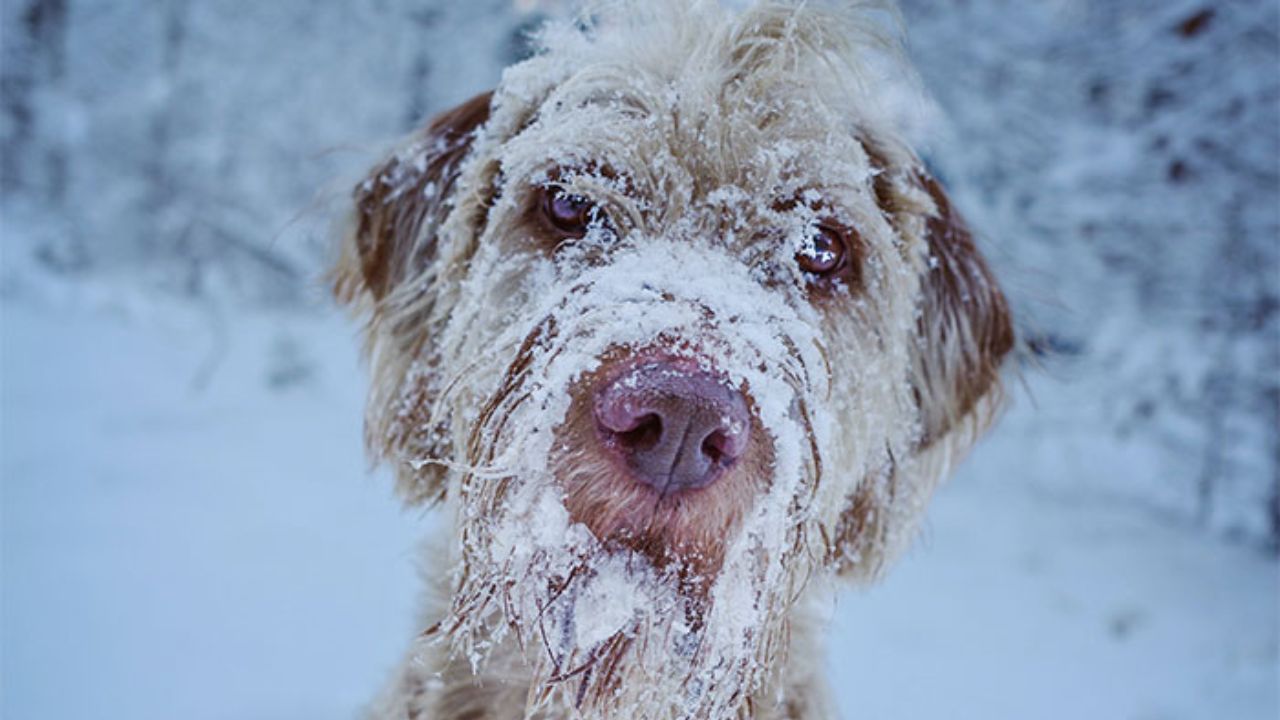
[[824, 250], [569, 214]]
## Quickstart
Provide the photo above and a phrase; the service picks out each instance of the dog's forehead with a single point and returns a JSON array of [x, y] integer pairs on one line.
[[698, 96], [712, 146]]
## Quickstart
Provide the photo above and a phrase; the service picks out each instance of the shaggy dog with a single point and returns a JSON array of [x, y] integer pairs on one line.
[[680, 331]]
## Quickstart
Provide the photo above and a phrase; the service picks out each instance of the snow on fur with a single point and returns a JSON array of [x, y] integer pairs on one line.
[[688, 126]]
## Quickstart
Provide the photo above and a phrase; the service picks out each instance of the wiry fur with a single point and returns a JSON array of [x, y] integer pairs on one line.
[[711, 141]]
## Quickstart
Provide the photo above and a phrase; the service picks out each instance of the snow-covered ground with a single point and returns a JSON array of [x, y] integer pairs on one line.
[[189, 531]]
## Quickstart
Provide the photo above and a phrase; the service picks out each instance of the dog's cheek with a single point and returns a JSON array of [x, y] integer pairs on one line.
[[874, 419], [500, 298]]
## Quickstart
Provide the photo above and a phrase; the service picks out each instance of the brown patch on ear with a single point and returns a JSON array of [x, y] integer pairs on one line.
[[402, 203], [389, 245], [963, 332], [965, 329]]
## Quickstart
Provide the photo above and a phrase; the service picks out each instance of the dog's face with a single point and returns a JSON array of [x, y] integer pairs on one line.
[[678, 328]]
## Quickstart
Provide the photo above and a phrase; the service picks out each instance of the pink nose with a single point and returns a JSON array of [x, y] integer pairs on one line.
[[675, 426]]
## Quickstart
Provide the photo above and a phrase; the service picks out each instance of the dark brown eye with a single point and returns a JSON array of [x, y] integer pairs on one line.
[[569, 214], [824, 251]]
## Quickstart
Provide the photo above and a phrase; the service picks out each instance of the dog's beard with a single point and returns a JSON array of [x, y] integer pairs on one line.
[[605, 628], [602, 626]]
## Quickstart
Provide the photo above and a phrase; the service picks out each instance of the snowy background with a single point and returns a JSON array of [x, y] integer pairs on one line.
[[188, 528]]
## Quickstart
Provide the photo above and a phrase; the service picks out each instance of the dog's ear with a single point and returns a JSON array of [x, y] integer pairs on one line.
[[400, 205], [388, 269], [964, 329], [963, 332]]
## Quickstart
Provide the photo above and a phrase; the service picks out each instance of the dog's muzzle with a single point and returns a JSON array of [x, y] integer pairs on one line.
[[673, 425]]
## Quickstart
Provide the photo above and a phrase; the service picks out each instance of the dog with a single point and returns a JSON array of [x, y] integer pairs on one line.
[[682, 334]]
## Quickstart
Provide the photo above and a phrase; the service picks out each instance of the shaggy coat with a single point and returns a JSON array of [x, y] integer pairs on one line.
[[714, 193]]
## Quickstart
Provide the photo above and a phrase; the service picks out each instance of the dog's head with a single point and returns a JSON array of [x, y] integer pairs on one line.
[[679, 323]]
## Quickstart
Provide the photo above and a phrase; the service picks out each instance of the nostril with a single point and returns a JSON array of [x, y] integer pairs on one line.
[[644, 435], [715, 447]]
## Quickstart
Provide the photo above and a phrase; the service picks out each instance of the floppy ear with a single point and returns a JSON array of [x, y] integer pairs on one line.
[[962, 334], [964, 329], [387, 269], [402, 202]]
